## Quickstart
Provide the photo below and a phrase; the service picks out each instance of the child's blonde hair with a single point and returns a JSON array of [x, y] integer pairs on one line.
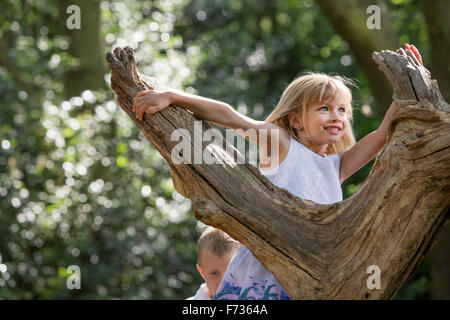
[[311, 88], [216, 241]]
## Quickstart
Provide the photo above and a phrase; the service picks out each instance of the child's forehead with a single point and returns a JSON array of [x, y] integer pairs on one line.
[[208, 258], [209, 255], [338, 98]]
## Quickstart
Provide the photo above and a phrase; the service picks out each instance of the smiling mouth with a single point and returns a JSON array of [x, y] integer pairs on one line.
[[333, 130]]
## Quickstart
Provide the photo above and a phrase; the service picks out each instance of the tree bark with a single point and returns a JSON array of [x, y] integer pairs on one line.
[[320, 251]]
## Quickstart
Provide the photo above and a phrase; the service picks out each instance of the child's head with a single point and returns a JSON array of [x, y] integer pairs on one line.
[[311, 89], [214, 251]]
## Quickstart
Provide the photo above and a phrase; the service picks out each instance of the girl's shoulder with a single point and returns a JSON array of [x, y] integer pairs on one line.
[[268, 159], [280, 133]]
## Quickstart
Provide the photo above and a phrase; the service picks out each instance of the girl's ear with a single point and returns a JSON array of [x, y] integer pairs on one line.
[[199, 269], [293, 118]]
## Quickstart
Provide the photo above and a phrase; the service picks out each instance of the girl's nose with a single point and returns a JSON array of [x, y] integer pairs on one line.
[[336, 115]]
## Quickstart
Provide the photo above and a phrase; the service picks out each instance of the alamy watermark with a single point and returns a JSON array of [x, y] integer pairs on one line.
[[190, 149], [74, 20], [74, 280], [374, 20], [374, 280]]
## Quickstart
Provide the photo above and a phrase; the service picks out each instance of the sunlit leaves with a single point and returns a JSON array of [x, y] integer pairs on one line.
[[78, 183]]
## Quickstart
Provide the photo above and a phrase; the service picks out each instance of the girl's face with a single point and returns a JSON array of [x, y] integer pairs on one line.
[[325, 124]]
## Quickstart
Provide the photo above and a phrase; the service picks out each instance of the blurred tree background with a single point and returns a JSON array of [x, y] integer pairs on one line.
[[80, 185]]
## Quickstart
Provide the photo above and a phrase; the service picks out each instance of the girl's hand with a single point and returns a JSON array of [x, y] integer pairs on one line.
[[414, 50], [150, 101]]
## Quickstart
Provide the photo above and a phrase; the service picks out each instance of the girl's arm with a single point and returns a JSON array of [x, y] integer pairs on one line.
[[369, 146], [220, 113]]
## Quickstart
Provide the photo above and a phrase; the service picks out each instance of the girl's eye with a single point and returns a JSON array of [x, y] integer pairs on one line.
[[325, 107]]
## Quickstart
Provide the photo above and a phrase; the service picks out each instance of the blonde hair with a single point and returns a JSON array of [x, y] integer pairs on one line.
[[308, 89], [216, 241]]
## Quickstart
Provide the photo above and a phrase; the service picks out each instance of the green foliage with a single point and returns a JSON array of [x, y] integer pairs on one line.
[[79, 183]]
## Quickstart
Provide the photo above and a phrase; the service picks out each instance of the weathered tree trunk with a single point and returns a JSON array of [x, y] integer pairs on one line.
[[321, 251]]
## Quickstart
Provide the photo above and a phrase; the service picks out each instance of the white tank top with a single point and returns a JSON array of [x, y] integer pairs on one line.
[[308, 175]]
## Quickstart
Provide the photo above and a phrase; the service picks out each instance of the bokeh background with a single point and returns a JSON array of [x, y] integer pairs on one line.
[[79, 183]]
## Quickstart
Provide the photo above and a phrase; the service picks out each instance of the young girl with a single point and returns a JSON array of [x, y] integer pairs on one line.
[[317, 152]]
